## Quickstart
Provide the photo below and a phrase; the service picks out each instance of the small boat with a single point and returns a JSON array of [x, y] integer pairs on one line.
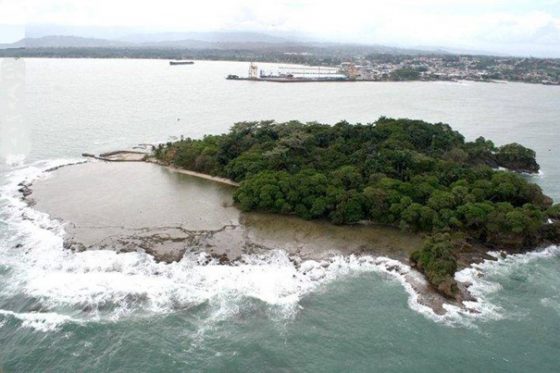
[[181, 63]]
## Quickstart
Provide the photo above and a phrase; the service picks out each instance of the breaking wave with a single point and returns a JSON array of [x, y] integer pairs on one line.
[[101, 285], [41, 321], [486, 277]]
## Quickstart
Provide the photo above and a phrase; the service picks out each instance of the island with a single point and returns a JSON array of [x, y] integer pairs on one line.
[[464, 198]]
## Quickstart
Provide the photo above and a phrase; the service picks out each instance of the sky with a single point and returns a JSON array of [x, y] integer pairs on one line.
[[517, 27]]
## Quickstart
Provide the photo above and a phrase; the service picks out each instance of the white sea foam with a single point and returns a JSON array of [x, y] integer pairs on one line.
[[504, 264], [485, 276], [14, 159], [552, 302], [41, 321], [104, 285]]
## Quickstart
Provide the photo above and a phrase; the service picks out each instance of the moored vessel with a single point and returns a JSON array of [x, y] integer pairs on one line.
[[172, 63]]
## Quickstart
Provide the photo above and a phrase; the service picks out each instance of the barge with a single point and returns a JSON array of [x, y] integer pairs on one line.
[[172, 63]]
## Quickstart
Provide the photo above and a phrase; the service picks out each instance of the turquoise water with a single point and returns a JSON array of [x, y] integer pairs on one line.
[[360, 323], [98, 311]]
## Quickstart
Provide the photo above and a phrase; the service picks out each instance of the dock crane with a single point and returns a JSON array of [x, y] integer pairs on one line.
[[253, 71]]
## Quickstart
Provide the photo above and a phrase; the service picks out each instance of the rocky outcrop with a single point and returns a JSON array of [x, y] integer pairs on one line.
[[24, 189], [516, 157]]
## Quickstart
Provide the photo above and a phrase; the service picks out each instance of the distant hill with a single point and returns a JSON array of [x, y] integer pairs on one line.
[[205, 40], [187, 40], [208, 37], [63, 41]]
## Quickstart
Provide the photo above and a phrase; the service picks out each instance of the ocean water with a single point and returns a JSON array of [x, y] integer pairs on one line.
[[99, 311]]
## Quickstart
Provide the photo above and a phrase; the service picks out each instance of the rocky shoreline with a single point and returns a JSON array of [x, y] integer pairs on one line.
[[250, 234]]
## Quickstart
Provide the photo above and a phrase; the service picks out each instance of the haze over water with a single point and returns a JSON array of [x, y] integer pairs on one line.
[[102, 311]]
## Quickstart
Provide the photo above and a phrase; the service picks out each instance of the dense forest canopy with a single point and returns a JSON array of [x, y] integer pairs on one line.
[[408, 173]]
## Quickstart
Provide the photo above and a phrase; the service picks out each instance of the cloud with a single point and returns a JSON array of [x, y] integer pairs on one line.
[[524, 25]]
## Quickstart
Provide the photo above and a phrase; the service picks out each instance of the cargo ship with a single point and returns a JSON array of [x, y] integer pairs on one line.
[[172, 63]]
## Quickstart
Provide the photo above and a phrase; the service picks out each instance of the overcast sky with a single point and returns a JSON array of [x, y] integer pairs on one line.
[[522, 27]]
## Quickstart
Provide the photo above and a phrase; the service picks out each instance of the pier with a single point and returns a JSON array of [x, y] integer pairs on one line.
[[296, 74]]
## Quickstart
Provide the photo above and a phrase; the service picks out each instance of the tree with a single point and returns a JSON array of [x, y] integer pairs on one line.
[[517, 157], [348, 177], [553, 212], [440, 200], [418, 217], [437, 260], [475, 215], [409, 173], [349, 208]]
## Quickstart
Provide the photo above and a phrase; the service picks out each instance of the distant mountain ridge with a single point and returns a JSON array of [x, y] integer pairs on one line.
[[63, 41], [210, 37], [201, 40]]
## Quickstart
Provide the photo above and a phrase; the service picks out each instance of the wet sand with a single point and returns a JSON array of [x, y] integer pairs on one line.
[[130, 206], [215, 179], [146, 156]]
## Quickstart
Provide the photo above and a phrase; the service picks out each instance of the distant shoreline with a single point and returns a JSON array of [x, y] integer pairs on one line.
[[168, 55]]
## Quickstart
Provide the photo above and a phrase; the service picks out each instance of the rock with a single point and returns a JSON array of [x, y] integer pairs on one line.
[[222, 259], [448, 288], [463, 294], [551, 232], [25, 190], [518, 158], [472, 310]]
